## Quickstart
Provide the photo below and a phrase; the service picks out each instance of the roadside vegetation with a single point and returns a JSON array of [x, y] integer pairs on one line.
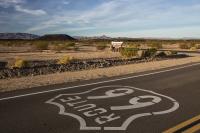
[[100, 45], [64, 60], [150, 52], [190, 46], [129, 52], [62, 56], [17, 63], [156, 45], [184, 46], [48, 57], [135, 52], [41, 45]]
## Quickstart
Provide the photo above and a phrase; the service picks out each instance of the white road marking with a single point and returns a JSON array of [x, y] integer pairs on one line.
[[82, 122], [134, 104], [176, 105], [112, 93], [129, 120], [66, 88]]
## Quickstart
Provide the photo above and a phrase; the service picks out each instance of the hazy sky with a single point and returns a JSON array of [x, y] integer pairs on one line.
[[131, 18]]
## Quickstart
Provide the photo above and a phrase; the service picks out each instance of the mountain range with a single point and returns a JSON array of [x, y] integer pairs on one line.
[[27, 36], [63, 37], [20, 36]]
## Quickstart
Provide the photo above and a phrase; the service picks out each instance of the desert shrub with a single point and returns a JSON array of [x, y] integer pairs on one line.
[[57, 47], [12, 43], [160, 54], [170, 53], [41, 45], [67, 46], [72, 44], [137, 45], [101, 46], [193, 48], [64, 60], [64, 46], [129, 52], [150, 52], [174, 52], [76, 48], [197, 46], [133, 45], [156, 45], [17, 63], [184, 46], [192, 44]]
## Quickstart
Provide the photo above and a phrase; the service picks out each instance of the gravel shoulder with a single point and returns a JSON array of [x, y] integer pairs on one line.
[[57, 78]]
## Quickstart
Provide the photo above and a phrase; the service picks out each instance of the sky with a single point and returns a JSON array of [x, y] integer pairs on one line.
[[115, 18]]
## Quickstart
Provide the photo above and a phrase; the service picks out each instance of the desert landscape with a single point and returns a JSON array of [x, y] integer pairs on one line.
[[58, 55], [99, 66]]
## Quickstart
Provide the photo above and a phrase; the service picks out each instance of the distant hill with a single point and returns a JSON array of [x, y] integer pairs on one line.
[[56, 37], [16, 36], [103, 37]]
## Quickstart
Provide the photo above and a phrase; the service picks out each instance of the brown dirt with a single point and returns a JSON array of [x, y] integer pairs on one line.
[[48, 55]]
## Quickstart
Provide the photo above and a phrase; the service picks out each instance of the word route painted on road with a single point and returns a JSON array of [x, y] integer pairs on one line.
[[112, 107]]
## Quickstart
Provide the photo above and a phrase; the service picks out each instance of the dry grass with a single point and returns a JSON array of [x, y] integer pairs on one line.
[[52, 55], [84, 52], [17, 63], [27, 52], [64, 60], [41, 80]]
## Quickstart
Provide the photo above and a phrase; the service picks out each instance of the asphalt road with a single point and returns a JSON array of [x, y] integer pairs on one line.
[[149, 102]]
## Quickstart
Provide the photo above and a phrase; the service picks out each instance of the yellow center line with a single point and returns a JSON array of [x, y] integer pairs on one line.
[[181, 125], [193, 129]]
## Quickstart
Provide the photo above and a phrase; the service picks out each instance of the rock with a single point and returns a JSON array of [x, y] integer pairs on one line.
[[48, 68], [3, 65]]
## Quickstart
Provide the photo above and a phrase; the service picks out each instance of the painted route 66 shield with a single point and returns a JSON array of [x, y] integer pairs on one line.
[[112, 107]]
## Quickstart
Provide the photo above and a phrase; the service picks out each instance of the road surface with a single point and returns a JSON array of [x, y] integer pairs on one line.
[[149, 102]]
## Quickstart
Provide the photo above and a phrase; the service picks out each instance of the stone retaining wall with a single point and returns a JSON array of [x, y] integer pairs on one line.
[[48, 67]]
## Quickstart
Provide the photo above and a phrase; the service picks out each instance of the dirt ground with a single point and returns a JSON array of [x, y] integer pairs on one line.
[[25, 53], [49, 55], [85, 52], [42, 80]]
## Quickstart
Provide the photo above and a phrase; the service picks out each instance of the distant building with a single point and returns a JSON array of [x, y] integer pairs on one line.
[[116, 46]]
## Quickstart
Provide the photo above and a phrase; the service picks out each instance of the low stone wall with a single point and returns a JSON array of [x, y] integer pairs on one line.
[[48, 67]]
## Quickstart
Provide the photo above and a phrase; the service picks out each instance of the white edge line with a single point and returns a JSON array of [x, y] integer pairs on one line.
[[66, 88]]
